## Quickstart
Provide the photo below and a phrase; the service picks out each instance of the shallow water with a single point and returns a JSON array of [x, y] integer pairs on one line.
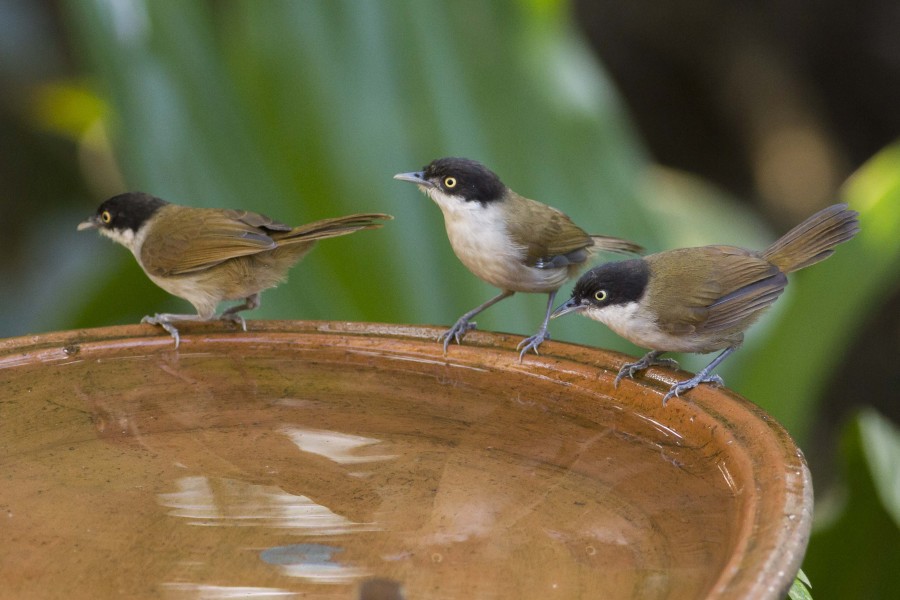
[[304, 473]]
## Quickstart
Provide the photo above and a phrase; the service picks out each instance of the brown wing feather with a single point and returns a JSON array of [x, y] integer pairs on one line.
[[716, 287], [750, 284], [745, 304], [208, 237], [253, 219], [185, 242], [544, 232]]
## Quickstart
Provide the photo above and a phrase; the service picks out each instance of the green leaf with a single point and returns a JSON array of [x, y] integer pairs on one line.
[[800, 589], [881, 445], [855, 553]]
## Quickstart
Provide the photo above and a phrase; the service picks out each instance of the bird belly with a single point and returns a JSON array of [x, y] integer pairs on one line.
[[234, 279], [480, 241], [630, 322], [195, 288]]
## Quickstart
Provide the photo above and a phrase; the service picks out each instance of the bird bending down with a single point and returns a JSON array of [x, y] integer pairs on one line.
[[209, 255], [701, 299], [509, 241]]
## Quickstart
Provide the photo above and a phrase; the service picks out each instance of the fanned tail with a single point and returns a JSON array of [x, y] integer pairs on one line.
[[814, 239]]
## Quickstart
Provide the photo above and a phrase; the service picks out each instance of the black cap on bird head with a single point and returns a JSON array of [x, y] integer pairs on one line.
[[463, 177], [617, 282], [126, 211], [609, 284]]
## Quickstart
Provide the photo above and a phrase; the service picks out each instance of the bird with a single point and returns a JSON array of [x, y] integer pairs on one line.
[[511, 242], [701, 299], [210, 255]]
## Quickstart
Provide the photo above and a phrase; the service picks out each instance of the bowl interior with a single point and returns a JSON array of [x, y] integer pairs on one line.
[[318, 458]]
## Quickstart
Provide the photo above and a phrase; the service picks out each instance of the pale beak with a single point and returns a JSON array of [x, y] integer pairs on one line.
[[91, 223], [417, 177], [572, 305]]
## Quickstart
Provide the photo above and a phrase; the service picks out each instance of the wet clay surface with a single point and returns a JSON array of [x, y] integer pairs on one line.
[[306, 459]]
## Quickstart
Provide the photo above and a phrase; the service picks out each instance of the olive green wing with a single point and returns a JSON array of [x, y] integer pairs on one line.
[[183, 242], [548, 237], [712, 288], [255, 220], [750, 285]]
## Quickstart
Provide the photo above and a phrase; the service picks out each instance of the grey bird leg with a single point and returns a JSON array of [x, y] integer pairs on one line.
[[532, 343], [463, 324], [649, 360], [164, 320], [702, 377], [250, 302]]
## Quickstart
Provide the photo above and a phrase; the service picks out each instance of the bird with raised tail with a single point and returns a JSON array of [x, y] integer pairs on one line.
[[509, 241], [701, 299], [210, 255]]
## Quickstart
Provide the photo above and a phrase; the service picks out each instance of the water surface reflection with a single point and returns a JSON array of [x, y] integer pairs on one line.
[[234, 475], [227, 502]]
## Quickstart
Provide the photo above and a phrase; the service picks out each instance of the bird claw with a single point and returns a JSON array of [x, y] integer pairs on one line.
[[689, 384], [532, 343], [158, 319], [235, 318], [629, 369], [457, 332], [715, 380]]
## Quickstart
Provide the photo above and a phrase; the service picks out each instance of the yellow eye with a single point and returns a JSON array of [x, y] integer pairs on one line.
[[105, 217], [600, 296], [449, 182]]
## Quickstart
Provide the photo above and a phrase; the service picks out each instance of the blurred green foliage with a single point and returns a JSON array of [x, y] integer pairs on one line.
[[855, 547], [303, 110]]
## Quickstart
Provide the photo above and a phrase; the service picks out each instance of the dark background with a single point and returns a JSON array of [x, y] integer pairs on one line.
[[779, 103]]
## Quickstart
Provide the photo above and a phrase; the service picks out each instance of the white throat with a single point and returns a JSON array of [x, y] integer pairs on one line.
[[638, 327], [128, 238]]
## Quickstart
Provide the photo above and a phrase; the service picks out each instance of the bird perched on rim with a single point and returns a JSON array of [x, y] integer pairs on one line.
[[208, 255], [507, 240], [701, 299]]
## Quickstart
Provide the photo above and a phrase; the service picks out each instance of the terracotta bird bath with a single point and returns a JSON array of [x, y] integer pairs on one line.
[[347, 460]]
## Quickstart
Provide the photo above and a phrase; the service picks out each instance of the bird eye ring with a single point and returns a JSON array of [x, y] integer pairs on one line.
[[105, 217], [600, 296], [449, 182]]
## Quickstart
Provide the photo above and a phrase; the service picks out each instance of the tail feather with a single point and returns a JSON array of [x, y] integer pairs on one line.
[[334, 227], [614, 244], [814, 239]]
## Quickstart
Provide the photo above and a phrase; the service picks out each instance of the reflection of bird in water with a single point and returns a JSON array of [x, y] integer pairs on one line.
[[210, 437]]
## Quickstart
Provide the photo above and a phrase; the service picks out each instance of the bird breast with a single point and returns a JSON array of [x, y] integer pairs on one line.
[[480, 239], [634, 323]]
